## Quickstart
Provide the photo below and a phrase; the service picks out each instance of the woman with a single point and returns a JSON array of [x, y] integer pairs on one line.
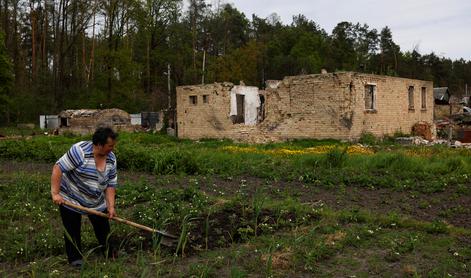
[[86, 175]]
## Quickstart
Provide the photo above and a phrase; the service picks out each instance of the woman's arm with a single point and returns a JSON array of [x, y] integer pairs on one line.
[[56, 185], [110, 194]]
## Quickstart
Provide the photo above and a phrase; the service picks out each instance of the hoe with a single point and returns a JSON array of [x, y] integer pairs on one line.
[[167, 239]]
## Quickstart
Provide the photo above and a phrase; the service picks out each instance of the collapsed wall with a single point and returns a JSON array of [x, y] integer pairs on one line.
[[85, 121], [336, 105]]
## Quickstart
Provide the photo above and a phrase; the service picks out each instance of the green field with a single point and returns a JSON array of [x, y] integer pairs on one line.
[[302, 208]]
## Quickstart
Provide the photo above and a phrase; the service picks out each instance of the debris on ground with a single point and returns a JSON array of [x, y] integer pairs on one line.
[[417, 140]]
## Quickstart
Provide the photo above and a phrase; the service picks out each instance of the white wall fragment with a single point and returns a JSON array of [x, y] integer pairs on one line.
[[48, 121], [251, 103]]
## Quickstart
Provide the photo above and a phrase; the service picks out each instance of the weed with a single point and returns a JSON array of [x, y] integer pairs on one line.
[[437, 227], [257, 204], [336, 158], [183, 239], [368, 138]]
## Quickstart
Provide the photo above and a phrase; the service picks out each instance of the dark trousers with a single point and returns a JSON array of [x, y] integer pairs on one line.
[[72, 222]]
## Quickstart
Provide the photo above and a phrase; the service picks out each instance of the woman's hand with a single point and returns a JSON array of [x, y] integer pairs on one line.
[[57, 198], [111, 212]]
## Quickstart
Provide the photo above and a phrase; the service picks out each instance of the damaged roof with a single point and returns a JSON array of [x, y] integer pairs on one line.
[[441, 95], [89, 112], [78, 113]]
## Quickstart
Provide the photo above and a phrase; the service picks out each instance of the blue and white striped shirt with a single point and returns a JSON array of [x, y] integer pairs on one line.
[[81, 183]]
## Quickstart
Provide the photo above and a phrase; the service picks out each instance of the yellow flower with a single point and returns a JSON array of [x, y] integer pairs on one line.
[[353, 149]]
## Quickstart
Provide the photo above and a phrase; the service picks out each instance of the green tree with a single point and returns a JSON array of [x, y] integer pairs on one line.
[[366, 45], [266, 31], [390, 52], [411, 65], [306, 54], [82, 53], [6, 81], [309, 46], [342, 50], [243, 64]]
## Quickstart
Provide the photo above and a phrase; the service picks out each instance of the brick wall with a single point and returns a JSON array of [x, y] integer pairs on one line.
[[445, 111], [309, 106]]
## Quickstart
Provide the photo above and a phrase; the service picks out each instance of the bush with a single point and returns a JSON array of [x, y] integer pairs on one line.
[[336, 158], [135, 157], [367, 138], [175, 162]]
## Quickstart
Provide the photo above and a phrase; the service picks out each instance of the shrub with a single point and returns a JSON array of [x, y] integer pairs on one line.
[[174, 162], [368, 138], [336, 158]]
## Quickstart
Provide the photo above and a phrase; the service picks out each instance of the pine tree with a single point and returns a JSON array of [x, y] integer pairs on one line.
[[6, 81]]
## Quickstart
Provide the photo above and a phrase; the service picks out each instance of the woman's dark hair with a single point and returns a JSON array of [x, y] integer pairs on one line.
[[101, 135]]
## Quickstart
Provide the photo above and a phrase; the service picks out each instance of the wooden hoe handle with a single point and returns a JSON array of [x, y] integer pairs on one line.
[[130, 223]]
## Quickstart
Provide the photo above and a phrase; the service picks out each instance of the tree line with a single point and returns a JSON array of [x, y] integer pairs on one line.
[[131, 54]]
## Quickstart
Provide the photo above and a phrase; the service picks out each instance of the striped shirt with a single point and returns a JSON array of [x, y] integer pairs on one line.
[[81, 183]]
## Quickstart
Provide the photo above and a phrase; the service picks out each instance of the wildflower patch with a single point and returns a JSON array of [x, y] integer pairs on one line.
[[353, 149]]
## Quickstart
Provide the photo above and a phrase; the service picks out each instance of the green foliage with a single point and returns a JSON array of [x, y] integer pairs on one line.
[[39, 150], [353, 216], [174, 162], [306, 53], [389, 51], [123, 64], [437, 227], [6, 80], [368, 138], [130, 55], [336, 157], [393, 167]]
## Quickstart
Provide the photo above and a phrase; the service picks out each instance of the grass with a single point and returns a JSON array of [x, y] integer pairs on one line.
[[293, 237], [230, 225], [389, 166], [21, 132]]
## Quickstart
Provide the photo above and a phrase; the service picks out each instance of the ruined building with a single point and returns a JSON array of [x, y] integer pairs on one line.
[[341, 105], [85, 121]]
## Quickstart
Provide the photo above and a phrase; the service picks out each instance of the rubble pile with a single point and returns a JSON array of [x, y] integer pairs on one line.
[[417, 140]]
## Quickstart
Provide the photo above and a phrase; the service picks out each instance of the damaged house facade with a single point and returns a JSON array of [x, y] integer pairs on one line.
[[85, 121], [341, 105]]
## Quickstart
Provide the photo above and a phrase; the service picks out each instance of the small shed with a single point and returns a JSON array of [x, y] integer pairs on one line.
[[441, 95], [85, 121], [48, 121], [152, 120], [136, 119]]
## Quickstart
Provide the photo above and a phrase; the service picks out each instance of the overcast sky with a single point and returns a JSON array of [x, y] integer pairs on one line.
[[442, 26]]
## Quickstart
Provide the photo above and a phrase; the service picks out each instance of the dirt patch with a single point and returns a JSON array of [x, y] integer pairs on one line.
[[279, 259], [10, 167], [331, 239], [233, 225]]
